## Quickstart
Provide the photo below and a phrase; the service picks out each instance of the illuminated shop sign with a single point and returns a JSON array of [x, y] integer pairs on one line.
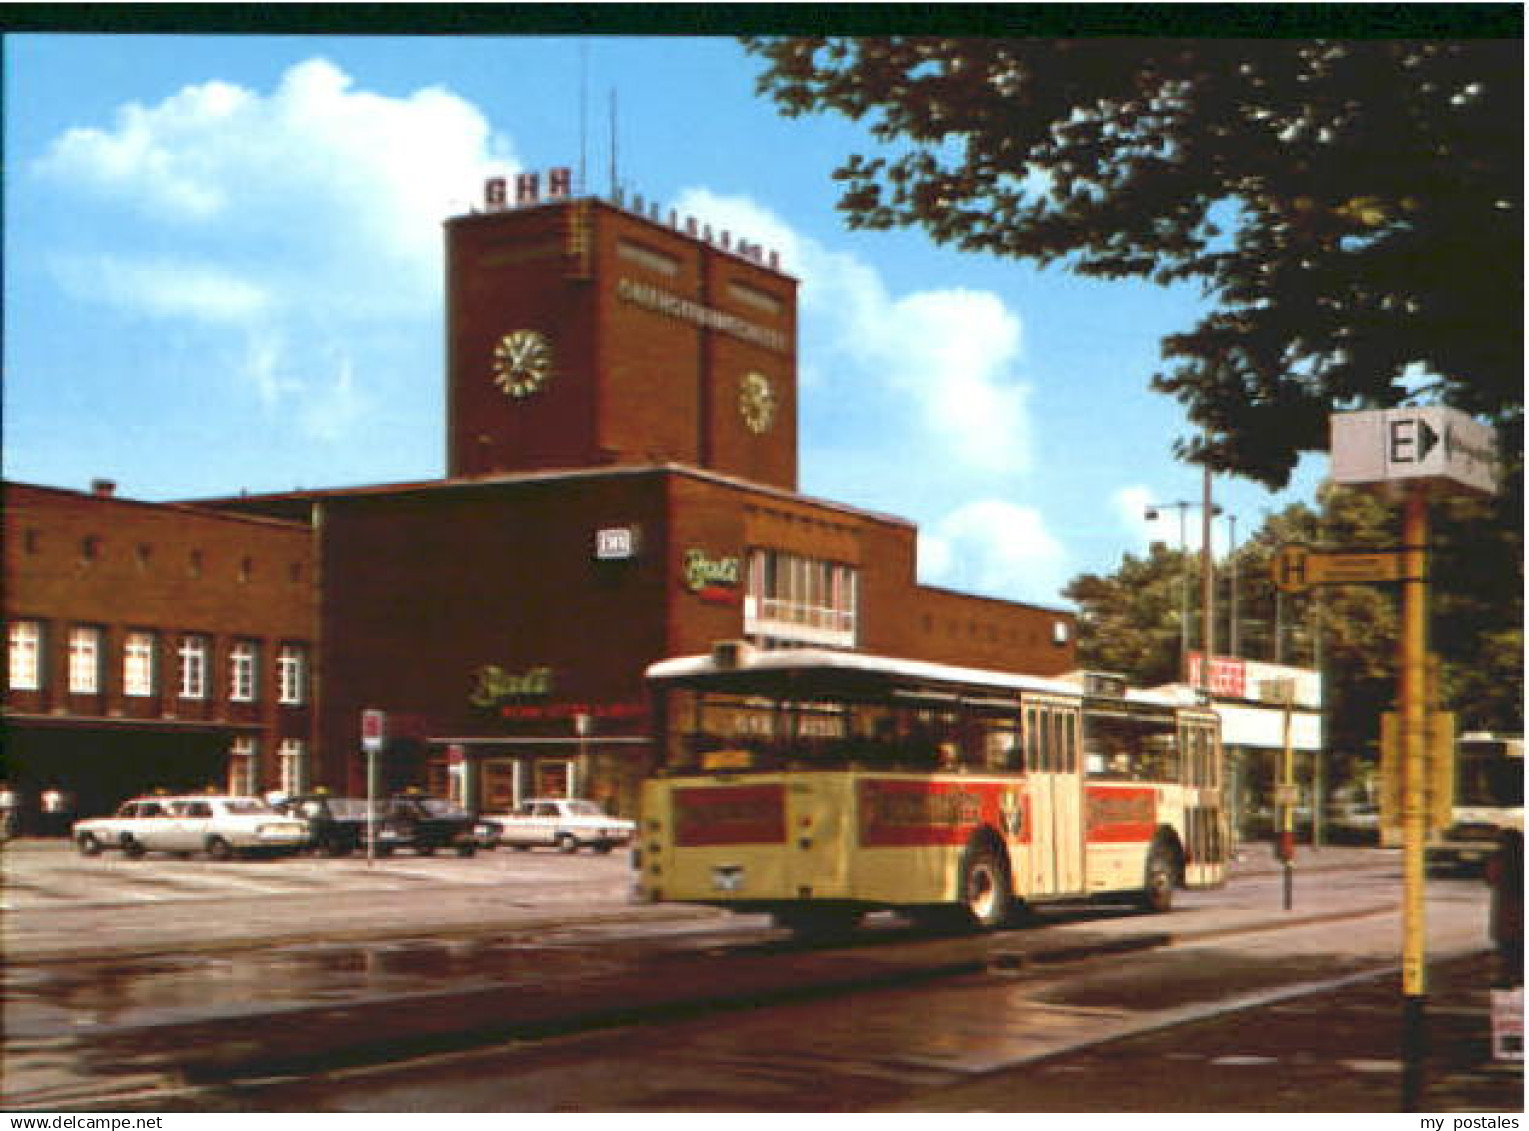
[[493, 685], [712, 579], [661, 301], [540, 712]]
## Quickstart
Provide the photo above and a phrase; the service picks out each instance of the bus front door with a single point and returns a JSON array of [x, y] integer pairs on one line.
[[1205, 850], [1056, 800]]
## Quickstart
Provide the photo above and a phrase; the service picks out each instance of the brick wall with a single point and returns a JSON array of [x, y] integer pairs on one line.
[[119, 566]]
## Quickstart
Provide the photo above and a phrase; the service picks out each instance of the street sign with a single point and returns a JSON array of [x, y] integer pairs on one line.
[[1291, 568], [1433, 442], [1439, 769], [374, 730], [1297, 568]]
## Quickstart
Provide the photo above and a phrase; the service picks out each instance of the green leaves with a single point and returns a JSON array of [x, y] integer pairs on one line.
[[1353, 209], [1129, 621]]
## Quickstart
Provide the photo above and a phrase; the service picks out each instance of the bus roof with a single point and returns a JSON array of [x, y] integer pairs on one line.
[[857, 669]]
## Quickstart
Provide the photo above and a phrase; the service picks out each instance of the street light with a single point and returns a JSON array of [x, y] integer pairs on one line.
[[1152, 513], [1232, 636]]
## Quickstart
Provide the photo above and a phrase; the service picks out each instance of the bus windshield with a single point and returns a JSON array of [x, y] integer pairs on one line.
[[1489, 777]]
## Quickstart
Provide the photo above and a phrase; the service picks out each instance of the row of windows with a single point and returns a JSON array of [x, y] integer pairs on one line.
[[244, 766], [92, 549], [141, 663], [790, 599], [772, 733]]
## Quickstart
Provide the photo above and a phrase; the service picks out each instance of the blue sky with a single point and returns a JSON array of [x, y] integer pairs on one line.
[[223, 272]]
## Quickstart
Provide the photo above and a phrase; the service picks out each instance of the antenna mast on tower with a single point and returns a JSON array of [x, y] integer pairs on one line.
[[583, 118], [615, 177]]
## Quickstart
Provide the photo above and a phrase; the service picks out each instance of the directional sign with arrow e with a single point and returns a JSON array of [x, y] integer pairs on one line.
[[1432, 442]]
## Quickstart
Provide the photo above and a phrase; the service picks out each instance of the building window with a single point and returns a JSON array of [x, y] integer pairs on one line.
[[292, 758], [90, 547], [138, 664], [243, 766], [26, 655], [193, 666], [791, 600], [244, 671], [85, 660], [291, 675]]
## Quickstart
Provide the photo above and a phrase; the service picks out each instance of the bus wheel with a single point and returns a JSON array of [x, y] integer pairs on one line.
[[1161, 876], [985, 891]]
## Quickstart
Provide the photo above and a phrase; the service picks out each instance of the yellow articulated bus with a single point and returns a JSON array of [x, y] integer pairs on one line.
[[818, 785]]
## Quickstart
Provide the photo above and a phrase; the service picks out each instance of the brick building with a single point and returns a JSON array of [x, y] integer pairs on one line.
[[621, 486], [151, 645]]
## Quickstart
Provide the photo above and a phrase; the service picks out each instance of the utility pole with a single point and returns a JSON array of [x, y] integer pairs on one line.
[[1207, 584]]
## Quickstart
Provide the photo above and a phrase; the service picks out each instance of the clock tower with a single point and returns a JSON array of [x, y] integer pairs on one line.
[[583, 333]]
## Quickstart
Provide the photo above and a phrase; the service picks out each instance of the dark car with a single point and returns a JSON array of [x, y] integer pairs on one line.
[[426, 824], [337, 825]]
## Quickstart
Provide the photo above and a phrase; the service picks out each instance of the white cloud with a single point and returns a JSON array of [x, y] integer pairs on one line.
[[333, 406], [333, 194], [949, 355], [952, 351], [306, 218], [994, 548], [1130, 505], [164, 288]]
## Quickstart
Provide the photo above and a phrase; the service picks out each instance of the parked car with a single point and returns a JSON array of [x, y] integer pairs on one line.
[[566, 824], [489, 833], [426, 824], [337, 826], [220, 826], [1353, 822]]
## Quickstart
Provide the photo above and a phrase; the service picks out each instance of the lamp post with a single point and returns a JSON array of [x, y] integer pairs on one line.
[[1152, 513], [1233, 641]]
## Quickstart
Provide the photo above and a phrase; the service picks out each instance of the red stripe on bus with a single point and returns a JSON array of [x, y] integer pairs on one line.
[[1120, 814], [899, 813], [744, 814]]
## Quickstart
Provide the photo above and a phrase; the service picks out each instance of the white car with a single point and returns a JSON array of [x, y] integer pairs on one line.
[[562, 823], [220, 826]]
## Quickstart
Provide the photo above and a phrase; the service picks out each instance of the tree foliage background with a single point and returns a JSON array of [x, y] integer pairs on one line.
[[1351, 210], [1130, 620]]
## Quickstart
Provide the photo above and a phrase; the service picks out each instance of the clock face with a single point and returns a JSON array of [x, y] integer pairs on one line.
[[522, 362], [756, 402]]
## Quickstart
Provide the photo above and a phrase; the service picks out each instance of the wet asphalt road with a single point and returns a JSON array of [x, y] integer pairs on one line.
[[474, 1023], [966, 1042]]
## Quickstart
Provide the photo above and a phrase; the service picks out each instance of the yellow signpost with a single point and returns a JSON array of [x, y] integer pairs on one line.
[[1412, 450]]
